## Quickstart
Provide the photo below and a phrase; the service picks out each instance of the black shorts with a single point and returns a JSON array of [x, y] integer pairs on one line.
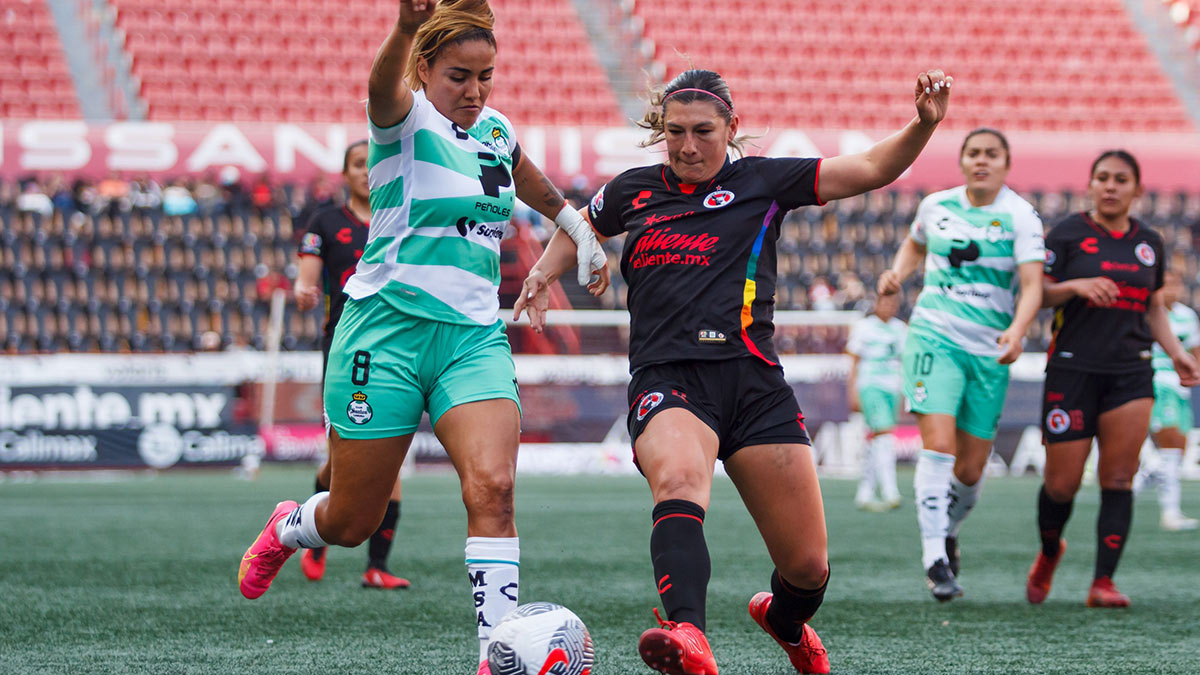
[[745, 401], [1073, 400]]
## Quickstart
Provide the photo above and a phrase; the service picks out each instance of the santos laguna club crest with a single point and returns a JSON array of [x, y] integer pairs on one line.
[[359, 411]]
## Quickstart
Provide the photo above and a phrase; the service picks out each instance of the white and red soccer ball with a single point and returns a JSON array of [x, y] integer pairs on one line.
[[540, 638]]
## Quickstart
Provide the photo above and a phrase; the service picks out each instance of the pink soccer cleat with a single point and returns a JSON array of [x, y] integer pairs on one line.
[[265, 556]]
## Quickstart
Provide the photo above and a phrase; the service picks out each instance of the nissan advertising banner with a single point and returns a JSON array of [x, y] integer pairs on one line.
[[298, 152], [86, 426]]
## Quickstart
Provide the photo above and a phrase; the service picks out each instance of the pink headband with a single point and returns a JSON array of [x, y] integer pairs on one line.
[[702, 91]]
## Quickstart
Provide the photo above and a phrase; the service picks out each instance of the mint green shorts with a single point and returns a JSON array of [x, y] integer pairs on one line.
[[880, 407], [1171, 410], [387, 367], [941, 379]]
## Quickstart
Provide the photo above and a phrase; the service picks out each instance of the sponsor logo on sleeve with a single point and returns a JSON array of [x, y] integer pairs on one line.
[[1051, 258], [598, 200]]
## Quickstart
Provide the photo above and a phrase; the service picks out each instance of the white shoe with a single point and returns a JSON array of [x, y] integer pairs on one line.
[[1177, 522]]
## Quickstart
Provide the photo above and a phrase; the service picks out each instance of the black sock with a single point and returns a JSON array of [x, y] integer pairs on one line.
[[792, 607], [680, 556], [380, 543], [1052, 517], [1112, 529]]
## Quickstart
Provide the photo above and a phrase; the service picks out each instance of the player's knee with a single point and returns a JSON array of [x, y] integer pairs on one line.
[[490, 496], [1061, 489], [968, 475], [681, 485], [807, 571]]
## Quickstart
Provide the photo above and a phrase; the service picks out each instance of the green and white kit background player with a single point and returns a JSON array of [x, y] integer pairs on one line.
[[421, 331], [874, 388], [1171, 418], [981, 243]]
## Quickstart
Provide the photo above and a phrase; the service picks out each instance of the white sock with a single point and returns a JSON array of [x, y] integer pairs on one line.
[[1168, 486], [885, 467], [866, 484], [962, 499], [932, 487], [493, 565], [299, 529]]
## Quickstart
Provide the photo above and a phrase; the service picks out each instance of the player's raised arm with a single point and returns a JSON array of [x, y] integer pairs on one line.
[[389, 94], [537, 191], [850, 175]]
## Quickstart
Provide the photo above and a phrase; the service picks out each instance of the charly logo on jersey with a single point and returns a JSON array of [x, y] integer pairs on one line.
[[1058, 421], [1145, 254], [717, 199], [598, 200], [920, 393], [649, 402], [359, 411]]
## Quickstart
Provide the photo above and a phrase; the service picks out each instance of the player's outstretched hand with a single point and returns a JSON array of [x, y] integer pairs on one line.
[[535, 299], [1188, 369], [413, 13], [1098, 291], [889, 283], [933, 95], [1010, 341]]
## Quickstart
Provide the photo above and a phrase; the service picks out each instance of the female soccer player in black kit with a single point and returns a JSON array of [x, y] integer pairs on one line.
[[1104, 272], [707, 385], [331, 247]]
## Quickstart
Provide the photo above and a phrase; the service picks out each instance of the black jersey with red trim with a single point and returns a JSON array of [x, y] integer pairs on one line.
[[337, 237], [700, 259], [1113, 339]]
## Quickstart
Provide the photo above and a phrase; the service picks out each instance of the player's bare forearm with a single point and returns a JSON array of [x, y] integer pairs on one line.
[[1055, 293], [559, 256], [907, 258], [536, 190], [1030, 300]]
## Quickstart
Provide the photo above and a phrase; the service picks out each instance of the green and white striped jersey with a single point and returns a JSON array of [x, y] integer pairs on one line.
[[878, 346], [441, 199], [1186, 326], [971, 260]]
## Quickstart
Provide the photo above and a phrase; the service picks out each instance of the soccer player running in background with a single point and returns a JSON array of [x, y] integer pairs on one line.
[[700, 262], [420, 330], [333, 242], [874, 386], [1171, 417], [981, 243], [1104, 277]]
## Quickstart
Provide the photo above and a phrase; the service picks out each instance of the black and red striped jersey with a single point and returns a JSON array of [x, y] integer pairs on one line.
[[337, 237], [1113, 339], [700, 259]]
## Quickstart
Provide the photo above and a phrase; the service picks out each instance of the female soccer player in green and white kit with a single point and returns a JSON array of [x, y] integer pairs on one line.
[[874, 388], [981, 243], [1171, 418], [421, 331]]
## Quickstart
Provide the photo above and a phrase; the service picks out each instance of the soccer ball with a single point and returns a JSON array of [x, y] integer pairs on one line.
[[540, 638]]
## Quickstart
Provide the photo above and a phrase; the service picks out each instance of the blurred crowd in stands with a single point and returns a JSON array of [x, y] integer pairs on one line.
[[190, 264]]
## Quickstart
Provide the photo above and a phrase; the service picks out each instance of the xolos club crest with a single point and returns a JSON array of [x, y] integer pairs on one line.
[[716, 200], [647, 403], [359, 411]]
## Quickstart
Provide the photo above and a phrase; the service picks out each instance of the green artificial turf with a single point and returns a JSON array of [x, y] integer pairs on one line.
[[138, 575]]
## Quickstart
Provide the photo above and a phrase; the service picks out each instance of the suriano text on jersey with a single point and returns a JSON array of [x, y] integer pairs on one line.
[[700, 259]]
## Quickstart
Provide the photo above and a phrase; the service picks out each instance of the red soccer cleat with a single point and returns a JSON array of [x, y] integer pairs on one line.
[[808, 655], [677, 649], [1041, 574], [312, 563], [377, 578], [1105, 594], [484, 668], [265, 556]]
